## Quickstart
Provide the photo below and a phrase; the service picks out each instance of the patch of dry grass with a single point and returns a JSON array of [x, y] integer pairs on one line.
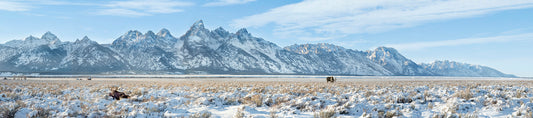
[[259, 93]]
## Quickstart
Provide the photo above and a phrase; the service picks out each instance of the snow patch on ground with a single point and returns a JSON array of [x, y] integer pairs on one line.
[[267, 97]]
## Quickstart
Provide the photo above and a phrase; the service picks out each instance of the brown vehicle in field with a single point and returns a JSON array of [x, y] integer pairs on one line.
[[330, 79]]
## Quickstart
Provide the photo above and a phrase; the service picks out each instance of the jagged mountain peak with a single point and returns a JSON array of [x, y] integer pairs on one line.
[[243, 32], [197, 29], [164, 33], [198, 25], [385, 52], [395, 62], [127, 39], [84, 40], [386, 49], [149, 34], [32, 41], [133, 33], [221, 32], [220, 29], [135, 39], [217, 51], [31, 37], [49, 36]]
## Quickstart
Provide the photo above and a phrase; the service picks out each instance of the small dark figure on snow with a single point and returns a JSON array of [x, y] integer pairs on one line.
[[330, 79], [117, 95]]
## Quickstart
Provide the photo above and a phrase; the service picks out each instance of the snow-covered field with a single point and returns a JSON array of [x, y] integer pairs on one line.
[[269, 97]]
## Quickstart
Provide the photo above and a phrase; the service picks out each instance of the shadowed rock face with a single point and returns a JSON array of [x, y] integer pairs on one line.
[[117, 95]]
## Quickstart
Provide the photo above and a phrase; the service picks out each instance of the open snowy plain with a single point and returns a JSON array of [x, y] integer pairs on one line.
[[268, 96]]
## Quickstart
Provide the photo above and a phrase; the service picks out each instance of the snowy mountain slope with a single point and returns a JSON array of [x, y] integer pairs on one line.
[[330, 59], [219, 51], [87, 56], [394, 62], [205, 51], [31, 42], [196, 48], [49, 55], [253, 53], [6, 52], [146, 52], [40, 58], [32, 54], [451, 68]]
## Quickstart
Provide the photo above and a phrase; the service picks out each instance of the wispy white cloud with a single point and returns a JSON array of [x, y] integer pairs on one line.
[[28, 5], [14, 6], [457, 42], [342, 17], [227, 2], [117, 7], [143, 7], [57, 2], [121, 12]]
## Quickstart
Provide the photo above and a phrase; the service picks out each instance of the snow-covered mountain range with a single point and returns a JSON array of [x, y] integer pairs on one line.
[[204, 51]]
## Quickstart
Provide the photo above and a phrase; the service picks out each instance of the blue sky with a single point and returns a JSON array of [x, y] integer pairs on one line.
[[494, 33]]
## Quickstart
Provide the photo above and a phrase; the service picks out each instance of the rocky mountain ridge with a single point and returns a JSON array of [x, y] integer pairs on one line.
[[204, 51]]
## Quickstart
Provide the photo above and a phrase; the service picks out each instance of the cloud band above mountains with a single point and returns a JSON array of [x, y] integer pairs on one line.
[[338, 17]]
